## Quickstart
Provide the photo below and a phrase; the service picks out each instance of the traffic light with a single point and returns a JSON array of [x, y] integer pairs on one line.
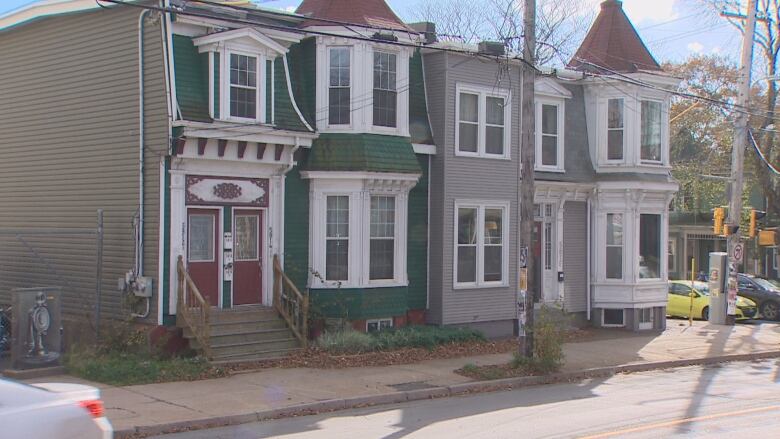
[[768, 238], [755, 215], [718, 216]]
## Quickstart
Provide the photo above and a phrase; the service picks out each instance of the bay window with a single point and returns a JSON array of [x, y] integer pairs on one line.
[[382, 237], [615, 126], [385, 94], [482, 127], [651, 131], [337, 238], [614, 266], [339, 86], [549, 135], [649, 246], [480, 245]]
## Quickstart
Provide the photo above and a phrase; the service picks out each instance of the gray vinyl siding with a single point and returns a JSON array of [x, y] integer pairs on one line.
[[69, 146], [468, 178], [575, 243]]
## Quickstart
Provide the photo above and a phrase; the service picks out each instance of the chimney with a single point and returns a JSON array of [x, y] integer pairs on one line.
[[427, 29], [493, 48]]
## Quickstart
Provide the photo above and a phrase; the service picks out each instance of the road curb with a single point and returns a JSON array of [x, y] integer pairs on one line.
[[431, 393]]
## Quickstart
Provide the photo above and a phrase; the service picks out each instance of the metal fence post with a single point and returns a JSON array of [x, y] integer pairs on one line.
[[99, 271]]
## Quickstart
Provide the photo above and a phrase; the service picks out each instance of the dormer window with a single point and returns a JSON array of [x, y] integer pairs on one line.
[[615, 126], [385, 95], [243, 86], [339, 86], [651, 131]]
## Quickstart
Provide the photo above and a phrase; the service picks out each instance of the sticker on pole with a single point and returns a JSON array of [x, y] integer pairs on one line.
[[739, 252]]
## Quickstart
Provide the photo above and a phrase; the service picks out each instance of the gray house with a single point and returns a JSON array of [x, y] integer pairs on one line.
[[602, 183]]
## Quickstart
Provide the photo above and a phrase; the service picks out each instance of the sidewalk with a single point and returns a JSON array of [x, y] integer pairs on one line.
[[155, 407]]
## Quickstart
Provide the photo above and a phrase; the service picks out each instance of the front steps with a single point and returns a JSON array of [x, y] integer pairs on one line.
[[245, 334]]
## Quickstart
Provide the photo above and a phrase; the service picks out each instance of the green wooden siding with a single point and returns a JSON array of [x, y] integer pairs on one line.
[[285, 116], [362, 152], [216, 85], [419, 126], [302, 59], [359, 303], [269, 67], [191, 73], [417, 240], [296, 226]]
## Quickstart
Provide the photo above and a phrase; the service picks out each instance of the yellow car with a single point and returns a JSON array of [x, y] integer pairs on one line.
[[679, 304]]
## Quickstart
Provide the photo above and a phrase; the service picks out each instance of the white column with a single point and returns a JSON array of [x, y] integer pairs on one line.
[[178, 233], [559, 247]]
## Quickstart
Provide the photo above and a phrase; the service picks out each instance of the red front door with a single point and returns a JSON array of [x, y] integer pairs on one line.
[[203, 251], [247, 257]]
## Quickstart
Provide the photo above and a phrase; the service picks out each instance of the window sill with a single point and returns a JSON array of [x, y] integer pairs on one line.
[[547, 169], [476, 286], [345, 286], [481, 156]]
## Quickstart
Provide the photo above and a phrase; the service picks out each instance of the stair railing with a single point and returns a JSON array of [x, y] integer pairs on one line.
[[193, 309], [291, 304]]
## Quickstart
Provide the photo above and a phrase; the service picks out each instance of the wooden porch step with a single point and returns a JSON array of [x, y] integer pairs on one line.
[[221, 350], [242, 335], [243, 314], [252, 357]]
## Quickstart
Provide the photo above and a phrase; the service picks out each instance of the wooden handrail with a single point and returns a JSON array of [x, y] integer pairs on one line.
[[291, 304], [194, 310]]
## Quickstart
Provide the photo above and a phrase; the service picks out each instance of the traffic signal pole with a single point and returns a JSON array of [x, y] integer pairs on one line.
[[740, 138]]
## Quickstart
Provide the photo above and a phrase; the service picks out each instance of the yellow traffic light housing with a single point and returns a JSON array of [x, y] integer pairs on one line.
[[718, 216], [768, 238], [752, 231]]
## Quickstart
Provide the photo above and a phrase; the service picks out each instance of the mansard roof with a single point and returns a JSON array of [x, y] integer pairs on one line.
[[613, 44]]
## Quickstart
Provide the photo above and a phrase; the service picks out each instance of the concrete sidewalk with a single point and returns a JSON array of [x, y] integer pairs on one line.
[[248, 396]]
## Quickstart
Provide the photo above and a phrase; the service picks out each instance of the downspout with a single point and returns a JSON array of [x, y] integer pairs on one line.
[[587, 259], [140, 238]]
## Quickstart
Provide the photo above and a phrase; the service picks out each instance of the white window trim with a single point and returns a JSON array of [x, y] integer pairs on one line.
[[607, 129], [359, 188], [644, 325], [379, 322], [326, 107], [326, 238], [483, 93], [671, 250], [612, 325], [664, 128], [663, 249], [224, 84], [560, 104], [480, 272], [622, 246]]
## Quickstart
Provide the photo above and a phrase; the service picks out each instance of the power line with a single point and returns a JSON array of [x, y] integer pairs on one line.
[[761, 155]]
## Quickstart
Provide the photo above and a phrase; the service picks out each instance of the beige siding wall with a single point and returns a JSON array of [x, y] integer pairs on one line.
[[69, 146]]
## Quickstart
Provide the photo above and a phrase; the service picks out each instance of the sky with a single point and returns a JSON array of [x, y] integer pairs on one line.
[[672, 29]]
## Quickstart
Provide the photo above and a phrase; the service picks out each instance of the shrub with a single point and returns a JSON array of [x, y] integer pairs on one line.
[[349, 341], [550, 326]]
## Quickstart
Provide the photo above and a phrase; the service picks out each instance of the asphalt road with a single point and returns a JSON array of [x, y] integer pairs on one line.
[[714, 401]]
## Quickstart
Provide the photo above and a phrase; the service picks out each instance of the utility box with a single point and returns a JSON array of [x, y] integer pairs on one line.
[[36, 333], [717, 284]]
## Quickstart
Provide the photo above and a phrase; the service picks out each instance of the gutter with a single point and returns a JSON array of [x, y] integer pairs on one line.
[[587, 259]]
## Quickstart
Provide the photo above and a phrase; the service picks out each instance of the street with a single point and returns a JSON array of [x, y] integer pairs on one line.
[[711, 401]]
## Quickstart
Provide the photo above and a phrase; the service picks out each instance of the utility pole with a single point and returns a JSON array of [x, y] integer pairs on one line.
[[527, 148], [740, 141]]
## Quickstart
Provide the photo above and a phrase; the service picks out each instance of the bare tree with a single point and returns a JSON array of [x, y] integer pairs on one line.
[[560, 24], [768, 39]]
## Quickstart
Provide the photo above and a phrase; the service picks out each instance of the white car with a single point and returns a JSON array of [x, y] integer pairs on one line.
[[52, 410]]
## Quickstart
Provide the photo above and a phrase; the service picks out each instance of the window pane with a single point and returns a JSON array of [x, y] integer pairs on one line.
[[649, 246], [549, 150], [651, 130], [469, 107], [493, 226], [337, 259], [381, 259], [467, 264], [615, 145], [549, 119], [615, 113], [385, 96], [495, 111], [548, 246], [243, 70], [382, 217], [245, 238], [467, 140], [467, 226], [614, 229], [339, 67], [201, 238], [493, 263], [614, 262], [338, 101], [243, 102], [385, 103], [494, 141], [337, 216]]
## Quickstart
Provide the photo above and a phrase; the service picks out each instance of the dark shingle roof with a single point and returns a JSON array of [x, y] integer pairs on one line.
[[362, 153], [375, 13], [613, 43]]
